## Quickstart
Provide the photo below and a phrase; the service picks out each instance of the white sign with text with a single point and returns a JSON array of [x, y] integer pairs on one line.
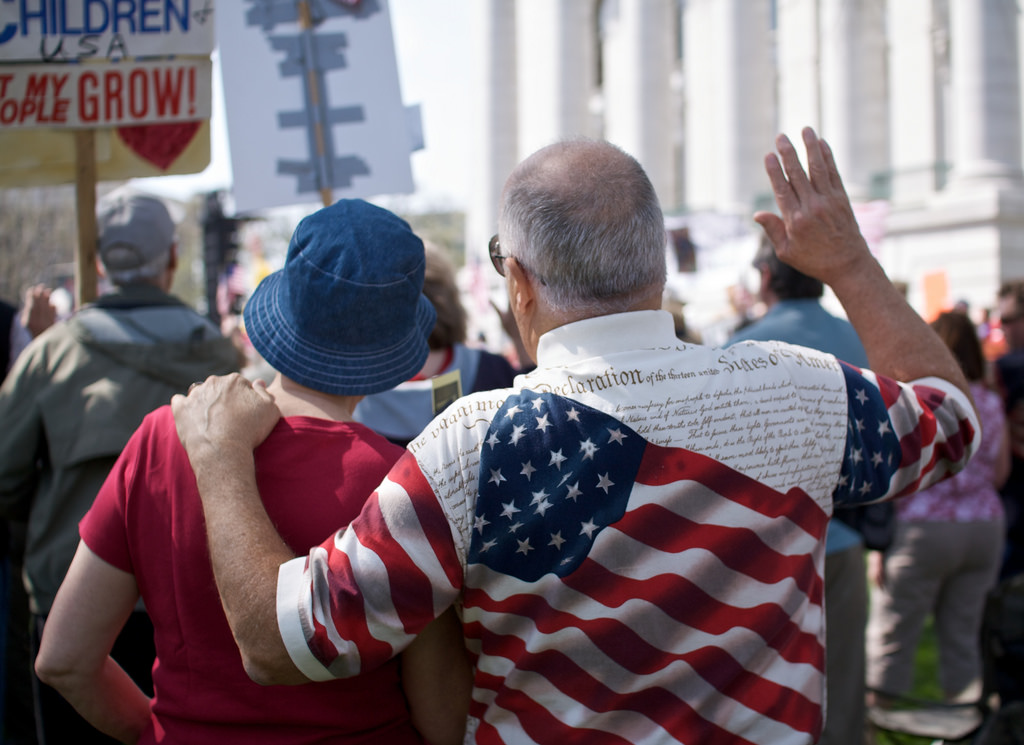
[[104, 94], [76, 30]]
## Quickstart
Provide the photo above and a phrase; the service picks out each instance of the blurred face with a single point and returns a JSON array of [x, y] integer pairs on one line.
[[1011, 319]]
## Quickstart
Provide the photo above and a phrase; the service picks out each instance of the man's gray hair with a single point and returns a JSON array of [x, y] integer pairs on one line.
[[582, 217], [148, 273]]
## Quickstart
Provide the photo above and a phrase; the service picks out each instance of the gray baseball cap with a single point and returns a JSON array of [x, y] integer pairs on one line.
[[134, 229]]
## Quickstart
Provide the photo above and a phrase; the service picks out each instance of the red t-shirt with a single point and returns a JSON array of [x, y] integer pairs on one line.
[[314, 476]]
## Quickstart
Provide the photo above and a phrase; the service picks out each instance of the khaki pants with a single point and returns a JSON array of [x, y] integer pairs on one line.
[[940, 568]]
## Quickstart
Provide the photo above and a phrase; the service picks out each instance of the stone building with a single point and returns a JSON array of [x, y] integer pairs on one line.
[[920, 100]]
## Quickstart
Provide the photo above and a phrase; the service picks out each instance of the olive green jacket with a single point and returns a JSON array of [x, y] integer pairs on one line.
[[72, 400]]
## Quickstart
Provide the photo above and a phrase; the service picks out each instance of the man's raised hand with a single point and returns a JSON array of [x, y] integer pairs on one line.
[[816, 231]]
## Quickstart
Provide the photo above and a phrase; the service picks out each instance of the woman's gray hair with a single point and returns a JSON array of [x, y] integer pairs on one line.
[[582, 217]]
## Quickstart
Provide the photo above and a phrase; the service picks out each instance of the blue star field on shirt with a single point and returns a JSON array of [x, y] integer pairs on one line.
[[553, 474], [873, 453]]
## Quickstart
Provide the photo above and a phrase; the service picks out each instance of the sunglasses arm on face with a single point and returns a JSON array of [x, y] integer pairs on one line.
[[498, 260]]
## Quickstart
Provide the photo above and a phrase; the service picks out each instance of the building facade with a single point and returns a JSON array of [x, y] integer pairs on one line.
[[919, 99]]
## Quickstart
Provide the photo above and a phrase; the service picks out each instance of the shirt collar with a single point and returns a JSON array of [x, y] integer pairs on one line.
[[602, 335]]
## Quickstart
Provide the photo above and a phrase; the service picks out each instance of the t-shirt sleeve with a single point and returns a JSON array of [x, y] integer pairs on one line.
[[360, 598], [902, 437]]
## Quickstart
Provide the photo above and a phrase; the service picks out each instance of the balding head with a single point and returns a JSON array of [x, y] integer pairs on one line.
[[582, 217]]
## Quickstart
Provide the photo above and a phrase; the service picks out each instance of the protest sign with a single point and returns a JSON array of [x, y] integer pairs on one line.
[[74, 30], [95, 85], [313, 102], [45, 157], [105, 94]]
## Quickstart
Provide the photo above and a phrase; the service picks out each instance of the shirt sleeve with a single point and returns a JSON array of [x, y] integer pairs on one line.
[[360, 598], [902, 437]]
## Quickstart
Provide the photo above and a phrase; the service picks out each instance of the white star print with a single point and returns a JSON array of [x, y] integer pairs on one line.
[[528, 470], [866, 488], [862, 396], [488, 545], [514, 526], [844, 480], [543, 507], [574, 491], [856, 455], [616, 435], [517, 434], [510, 509], [539, 496], [543, 423], [605, 483], [513, 410], [860, 425], [588, 528], [496, 477], [557, 459], [883, 428], [481, 523], [493, 440], [573, 415], [876, 459], [537, 403], [556, 540], [524, 547], [565, 478], [588, 448]]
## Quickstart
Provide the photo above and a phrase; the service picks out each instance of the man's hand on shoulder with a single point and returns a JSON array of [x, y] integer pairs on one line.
[[223, 414]]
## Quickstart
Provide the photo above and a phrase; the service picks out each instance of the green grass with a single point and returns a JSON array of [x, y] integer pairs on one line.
[[926, 666], [926, 684]]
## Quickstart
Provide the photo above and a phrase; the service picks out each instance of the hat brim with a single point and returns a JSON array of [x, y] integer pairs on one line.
[[341, 372]]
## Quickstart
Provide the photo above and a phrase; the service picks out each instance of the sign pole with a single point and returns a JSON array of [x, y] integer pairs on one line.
[[306, 24], [85, 207]]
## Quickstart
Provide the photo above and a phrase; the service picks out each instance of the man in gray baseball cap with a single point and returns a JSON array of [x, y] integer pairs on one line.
[[75, 396], [137, 237]]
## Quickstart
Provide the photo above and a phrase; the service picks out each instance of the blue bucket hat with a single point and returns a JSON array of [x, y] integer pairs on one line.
[[346, 314]]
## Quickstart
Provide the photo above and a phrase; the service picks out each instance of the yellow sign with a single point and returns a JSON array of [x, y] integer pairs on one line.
[[44, 157]]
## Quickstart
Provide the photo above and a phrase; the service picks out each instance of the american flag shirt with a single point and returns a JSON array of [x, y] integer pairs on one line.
[[634, 535]]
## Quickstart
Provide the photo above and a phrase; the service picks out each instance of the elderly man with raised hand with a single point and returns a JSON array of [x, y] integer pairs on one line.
[[633, 533]]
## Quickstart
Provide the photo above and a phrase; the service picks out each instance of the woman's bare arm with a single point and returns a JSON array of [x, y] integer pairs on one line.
[[88, 613]]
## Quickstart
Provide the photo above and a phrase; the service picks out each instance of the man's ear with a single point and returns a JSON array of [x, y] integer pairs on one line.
[[172, 261], [525, 307], [522, 296]]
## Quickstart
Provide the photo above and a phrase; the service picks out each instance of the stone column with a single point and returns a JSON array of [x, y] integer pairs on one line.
[[797, 55], [639, 52], [730, 102], [854, 116], [495, 145], [984, 50], [557, 64], [918, 73]]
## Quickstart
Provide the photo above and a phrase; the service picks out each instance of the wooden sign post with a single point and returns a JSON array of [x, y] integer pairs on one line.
[[85, 209]]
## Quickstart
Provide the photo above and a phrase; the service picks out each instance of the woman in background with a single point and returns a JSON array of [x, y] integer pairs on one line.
[[947, 551]]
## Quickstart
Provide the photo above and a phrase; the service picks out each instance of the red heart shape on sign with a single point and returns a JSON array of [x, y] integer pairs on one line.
[[160, 144]]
